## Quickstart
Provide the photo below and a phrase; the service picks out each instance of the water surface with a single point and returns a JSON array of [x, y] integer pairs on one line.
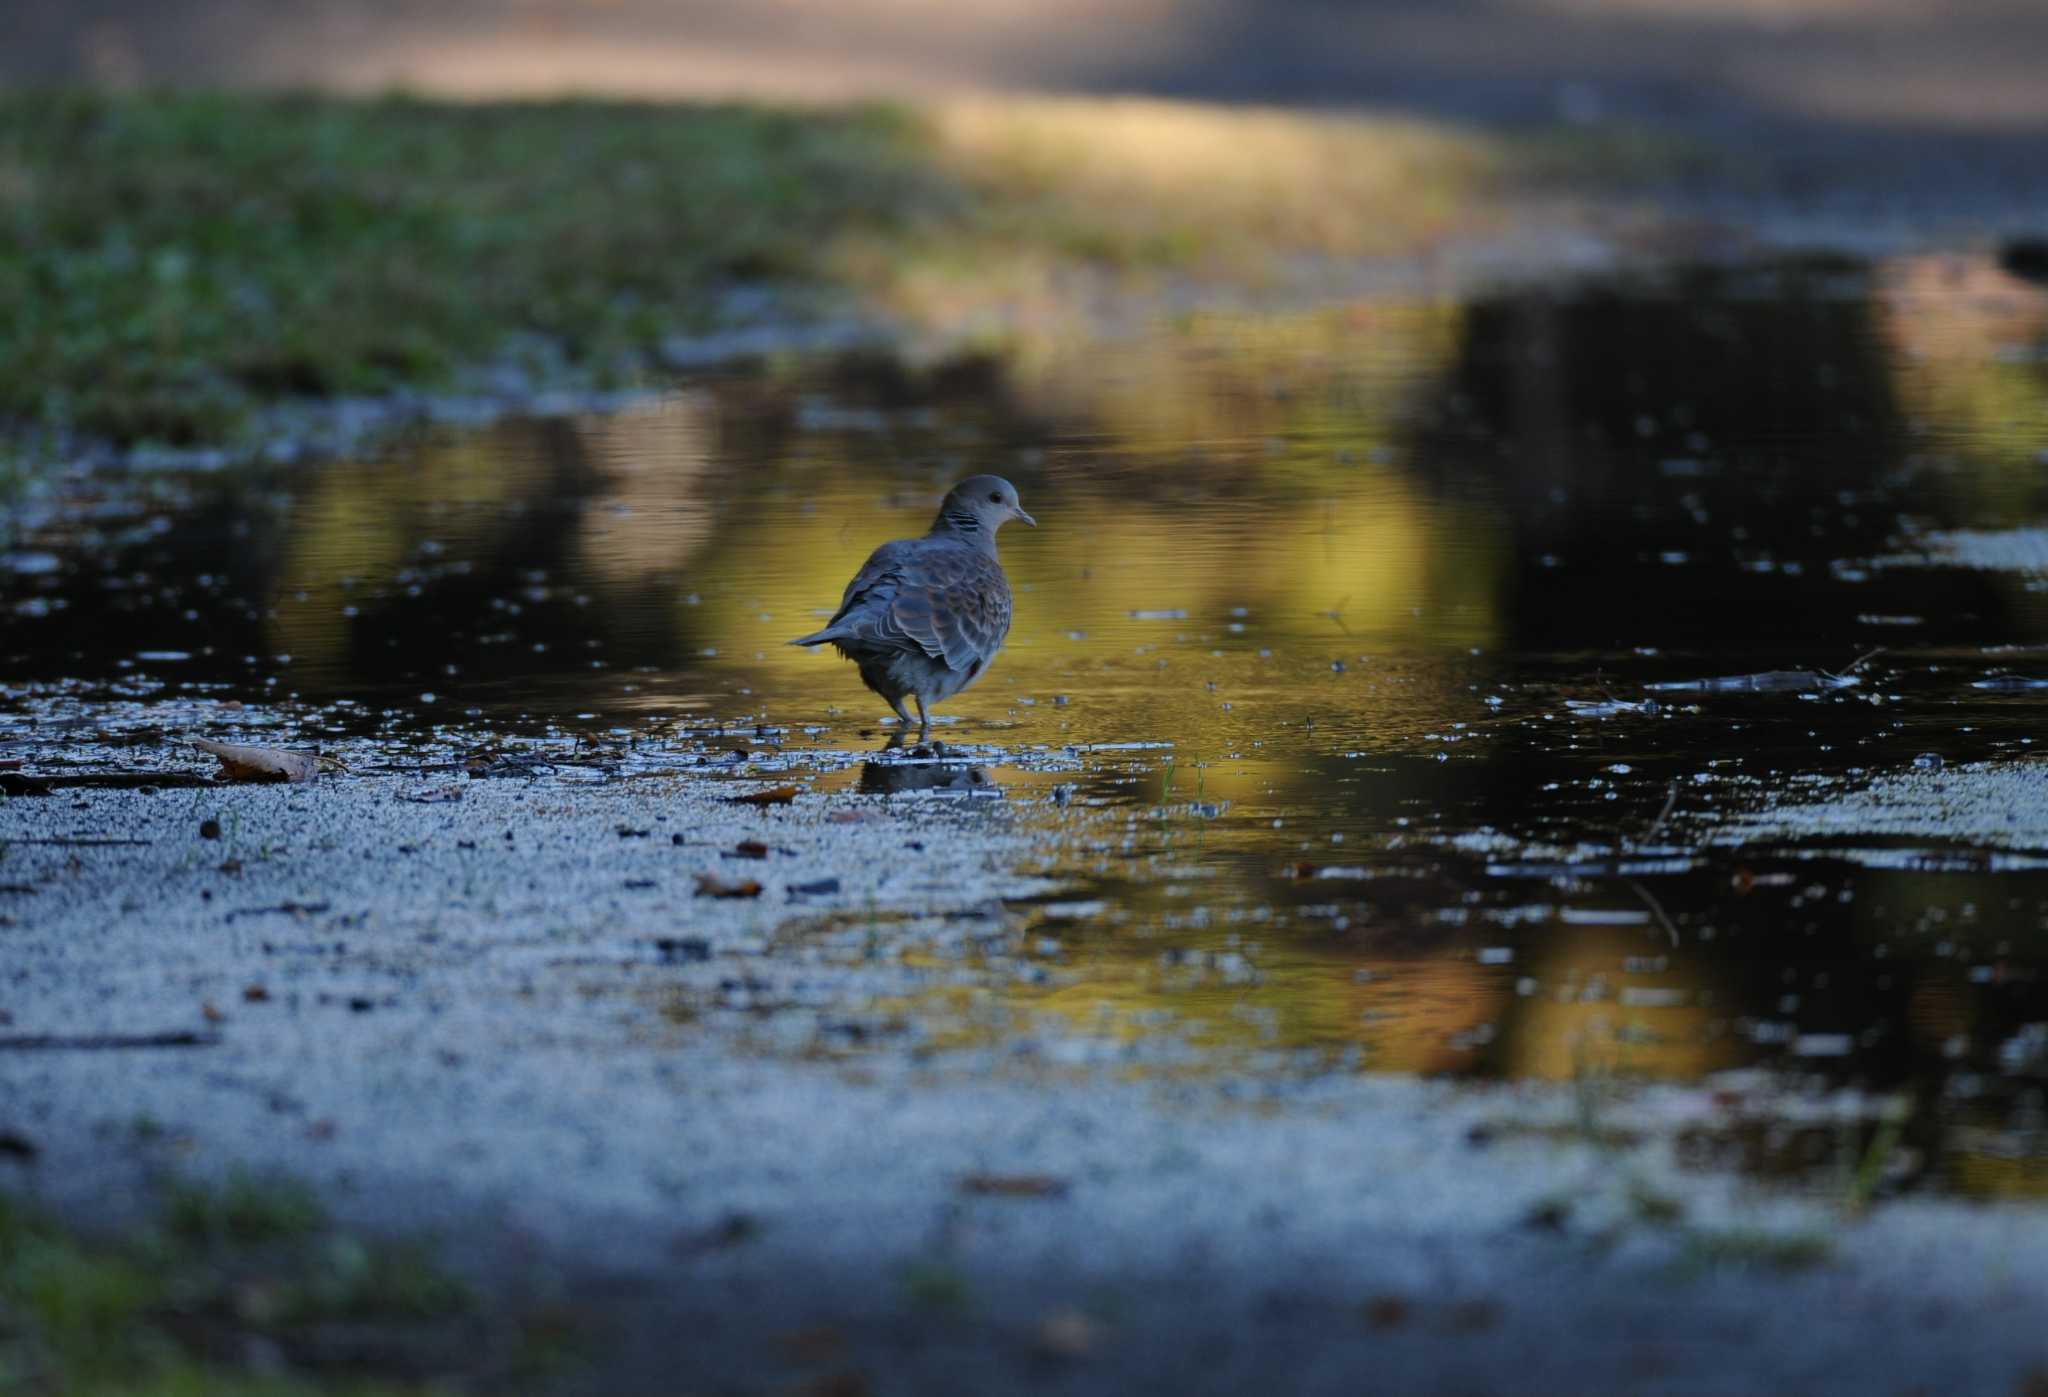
[[1337, 650]]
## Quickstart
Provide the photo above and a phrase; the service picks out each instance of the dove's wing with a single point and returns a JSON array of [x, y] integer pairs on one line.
[[949, 600]]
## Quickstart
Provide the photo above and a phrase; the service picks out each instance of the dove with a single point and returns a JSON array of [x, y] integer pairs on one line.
[[924, 616]]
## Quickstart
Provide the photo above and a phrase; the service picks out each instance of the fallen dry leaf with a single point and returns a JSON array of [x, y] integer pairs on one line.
[[750, 849], [821, 1343], [260, 763], [774, 795], [255, 994], [1387, 1311], [1067, 1333], [1014, 1186], [711, 885], [846, 1384]]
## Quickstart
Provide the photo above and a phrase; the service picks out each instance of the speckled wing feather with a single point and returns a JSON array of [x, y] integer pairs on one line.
[[947, 599]]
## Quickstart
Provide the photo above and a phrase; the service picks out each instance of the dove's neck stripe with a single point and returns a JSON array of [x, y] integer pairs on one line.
[[963, 524]]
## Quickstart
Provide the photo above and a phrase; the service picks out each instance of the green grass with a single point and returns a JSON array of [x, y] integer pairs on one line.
[[168, 262], [254, 1260], [1778, 1251], [171, 264], [247, 1209]]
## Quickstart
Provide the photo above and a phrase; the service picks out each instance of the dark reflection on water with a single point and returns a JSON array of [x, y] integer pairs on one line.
[[926, 776], [1354, 567]]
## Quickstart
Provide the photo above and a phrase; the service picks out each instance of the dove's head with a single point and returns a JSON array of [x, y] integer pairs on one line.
[[979, 506]]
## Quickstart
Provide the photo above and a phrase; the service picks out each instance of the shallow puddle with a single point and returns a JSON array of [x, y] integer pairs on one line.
[[1422, 686]]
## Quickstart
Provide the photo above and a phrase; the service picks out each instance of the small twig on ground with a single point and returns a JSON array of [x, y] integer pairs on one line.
[[1656, 907], [1855, 665], [285, 908], [94, 1042], [1670, 804], [85, 843], [1336, 613]]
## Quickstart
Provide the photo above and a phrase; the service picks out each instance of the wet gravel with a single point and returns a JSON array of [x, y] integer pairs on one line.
[[508, 1018]]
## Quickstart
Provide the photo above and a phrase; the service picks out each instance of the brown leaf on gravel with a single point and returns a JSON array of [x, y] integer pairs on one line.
[[850, 817], [820, 1343], [846, 1384], [260, 763], [711, 885], [750, 849], [774, 795], [1014, 1186], [1068, 1333], [1387, 1311], [255, 994]]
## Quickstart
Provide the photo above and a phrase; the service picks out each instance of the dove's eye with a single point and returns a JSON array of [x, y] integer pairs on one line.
[[995, 497]]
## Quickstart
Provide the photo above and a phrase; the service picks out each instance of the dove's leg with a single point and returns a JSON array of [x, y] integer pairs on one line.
[[924, 719], [901, 716]]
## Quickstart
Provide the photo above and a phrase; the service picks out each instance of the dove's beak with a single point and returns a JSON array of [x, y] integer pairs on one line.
[[1017, 512]]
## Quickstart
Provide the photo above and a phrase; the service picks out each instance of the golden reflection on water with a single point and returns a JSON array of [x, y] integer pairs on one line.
[[1969, 357], [1246, 551]]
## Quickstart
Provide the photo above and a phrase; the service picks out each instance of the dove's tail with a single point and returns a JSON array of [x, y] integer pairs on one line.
[[819, 637]]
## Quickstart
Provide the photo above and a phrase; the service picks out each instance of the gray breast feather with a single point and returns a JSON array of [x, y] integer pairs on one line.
[[949, 600]]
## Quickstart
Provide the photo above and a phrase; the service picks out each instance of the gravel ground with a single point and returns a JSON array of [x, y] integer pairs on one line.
[[507, 1018]]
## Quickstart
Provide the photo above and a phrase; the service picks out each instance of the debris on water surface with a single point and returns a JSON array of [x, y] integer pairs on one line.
[[260, 763], [1076, 911], [711, 885], [1775, 681], [816, 888], [1610, 708], [774, 795]]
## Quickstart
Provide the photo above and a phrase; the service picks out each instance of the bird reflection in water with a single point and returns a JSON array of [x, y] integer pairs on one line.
[[925, 771]]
